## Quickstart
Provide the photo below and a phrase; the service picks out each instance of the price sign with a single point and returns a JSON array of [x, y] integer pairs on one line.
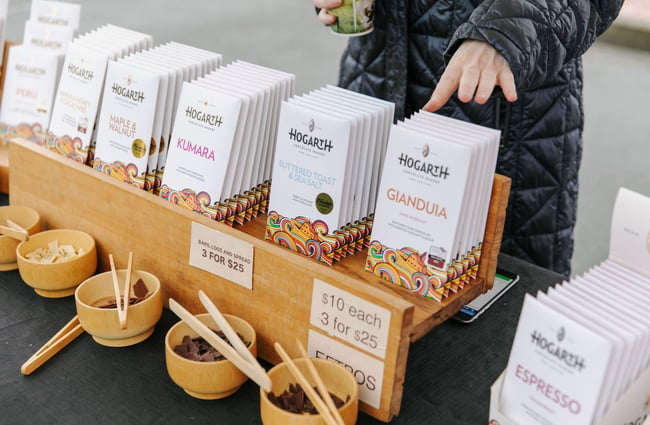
[[221, 255], [351, 318], [367, 370]]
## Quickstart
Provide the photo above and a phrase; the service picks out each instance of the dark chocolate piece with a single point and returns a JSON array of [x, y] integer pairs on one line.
[[140, 289], [295, 400], [198, 349]]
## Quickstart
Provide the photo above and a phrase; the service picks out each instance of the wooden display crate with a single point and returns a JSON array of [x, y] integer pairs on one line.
[[122, 219]]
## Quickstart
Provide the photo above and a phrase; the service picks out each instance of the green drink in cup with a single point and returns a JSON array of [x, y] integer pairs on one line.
[[354, 17]]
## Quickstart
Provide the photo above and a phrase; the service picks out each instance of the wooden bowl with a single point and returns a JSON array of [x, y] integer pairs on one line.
[[337, 379], [206, 380], [103, 323], [56, 280], [25, 217]]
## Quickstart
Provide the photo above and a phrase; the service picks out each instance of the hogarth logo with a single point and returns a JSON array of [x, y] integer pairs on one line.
[[80, 71], [440, 171], [53, 18], [30, 67], [325, 145], [126, 92], [214, 120], [556, 350]]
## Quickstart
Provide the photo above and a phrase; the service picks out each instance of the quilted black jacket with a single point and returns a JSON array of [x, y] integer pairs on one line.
[[543, 40]]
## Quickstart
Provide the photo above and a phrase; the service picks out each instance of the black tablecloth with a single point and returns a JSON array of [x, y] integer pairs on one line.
[[448, 376]]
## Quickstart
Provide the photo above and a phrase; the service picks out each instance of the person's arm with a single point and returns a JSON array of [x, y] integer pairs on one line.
[[534, 37]]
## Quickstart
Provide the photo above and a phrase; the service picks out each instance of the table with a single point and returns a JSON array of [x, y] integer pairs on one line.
[[447, 381]]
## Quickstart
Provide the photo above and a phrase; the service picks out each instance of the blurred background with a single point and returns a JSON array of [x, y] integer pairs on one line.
[[285, 34]]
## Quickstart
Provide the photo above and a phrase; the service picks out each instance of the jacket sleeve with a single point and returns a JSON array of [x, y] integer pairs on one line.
[[537, 37]]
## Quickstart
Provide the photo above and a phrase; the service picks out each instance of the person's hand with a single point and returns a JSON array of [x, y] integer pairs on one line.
[[474, 70], [324, 6]]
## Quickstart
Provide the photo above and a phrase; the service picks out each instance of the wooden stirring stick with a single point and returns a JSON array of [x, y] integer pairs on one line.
[[14, 230], [319, 384], [228, 352], [311, 393], [116, 288], [234, 339], [127, 288], [15, 225], [62, 338]]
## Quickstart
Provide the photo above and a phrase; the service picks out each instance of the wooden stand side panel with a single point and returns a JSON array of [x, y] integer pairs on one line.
[[4, 152], [3, 69], [122, 218], [494, 230]]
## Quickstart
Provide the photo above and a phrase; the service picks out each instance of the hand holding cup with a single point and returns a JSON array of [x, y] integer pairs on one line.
[[347, 17]]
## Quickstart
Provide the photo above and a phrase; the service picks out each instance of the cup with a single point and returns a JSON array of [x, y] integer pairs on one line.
[[336, 378], [57, 279], [206, 380], [25, 217], [103, 323], [354, 17]]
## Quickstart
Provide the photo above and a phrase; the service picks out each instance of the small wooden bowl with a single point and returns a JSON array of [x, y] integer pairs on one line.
[[207, 380], [337, 379], [56, 280], [103, 323], [25, 217]]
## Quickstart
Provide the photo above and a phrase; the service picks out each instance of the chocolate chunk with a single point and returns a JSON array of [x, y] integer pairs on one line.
[[140, 289], [295, 400], [181, 350], [198, 349]]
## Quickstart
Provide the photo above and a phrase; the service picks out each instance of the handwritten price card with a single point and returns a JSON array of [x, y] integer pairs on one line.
[[362, 324], [348, 317], [221, 255]]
